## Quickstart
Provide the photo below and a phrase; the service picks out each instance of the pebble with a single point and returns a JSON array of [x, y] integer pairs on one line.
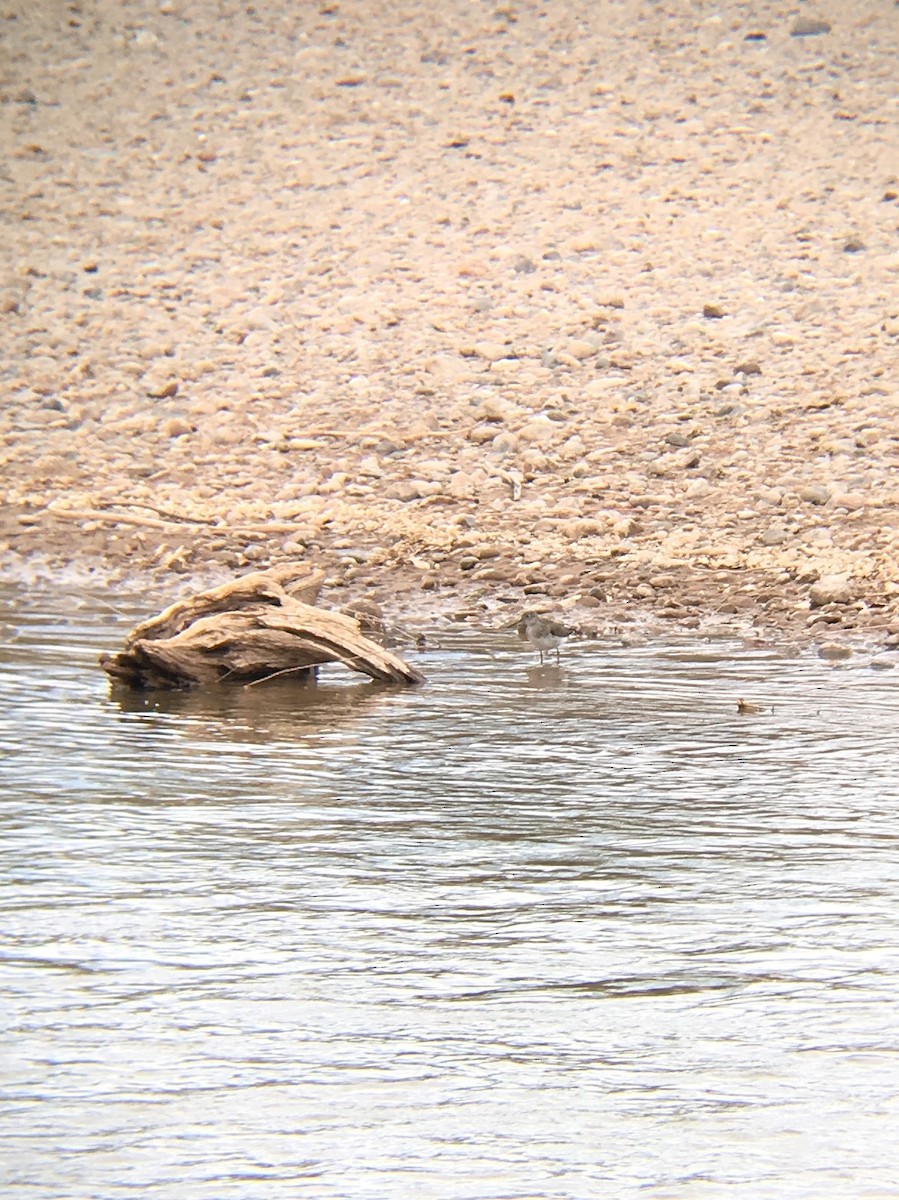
[[175, 427], [834, 651], [809, 27], [493, 351], [814, 494], [461, 486], [505, 443], [775, 535], [541, 431], [851, 501], [405, 491], [698, 489], [580, 349], [829, 589], [161, 389], [713, 311], [480, 434]]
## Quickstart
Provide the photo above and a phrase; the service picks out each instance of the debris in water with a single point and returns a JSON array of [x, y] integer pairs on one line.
[[259, 626]]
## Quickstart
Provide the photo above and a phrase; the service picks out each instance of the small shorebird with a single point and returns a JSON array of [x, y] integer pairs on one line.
[[543, 633]]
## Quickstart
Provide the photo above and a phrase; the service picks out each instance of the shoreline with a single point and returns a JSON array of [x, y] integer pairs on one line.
[[832, 616]]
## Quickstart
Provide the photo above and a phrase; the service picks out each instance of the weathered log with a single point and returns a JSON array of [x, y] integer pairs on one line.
[[256, 627], [267, 586]]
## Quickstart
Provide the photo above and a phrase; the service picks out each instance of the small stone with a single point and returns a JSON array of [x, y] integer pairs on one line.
[[523, 265], [748, 368], [162, 389], [505, 443], [776, 535], [461, 486], [495, 408], [830, 589], [814, 494], [714, 312], [698, 489], [661, 467], [853, 245], [580, 349], [494, 574], [809, 27], [534, 460], [176, 427], [405, 492], [688, 459], [371, 467], [851, 501], [493, 351], [832, 616], [480, 434], [834, 651], [541, 431]]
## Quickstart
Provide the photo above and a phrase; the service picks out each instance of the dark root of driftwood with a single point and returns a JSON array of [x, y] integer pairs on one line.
[[260, 626]]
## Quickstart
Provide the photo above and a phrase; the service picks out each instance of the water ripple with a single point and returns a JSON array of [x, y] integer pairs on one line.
[[569, 932]]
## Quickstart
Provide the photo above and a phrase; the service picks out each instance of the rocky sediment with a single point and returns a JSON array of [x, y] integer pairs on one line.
[[482, 306]]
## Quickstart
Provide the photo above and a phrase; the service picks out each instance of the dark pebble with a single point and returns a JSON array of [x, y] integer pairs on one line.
[[809, 27]]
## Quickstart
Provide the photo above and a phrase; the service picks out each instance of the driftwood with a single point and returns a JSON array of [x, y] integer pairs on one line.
[[260, 626]]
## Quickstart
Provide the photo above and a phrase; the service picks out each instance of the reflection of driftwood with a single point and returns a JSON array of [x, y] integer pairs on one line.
[[251, 629], [289, 708]]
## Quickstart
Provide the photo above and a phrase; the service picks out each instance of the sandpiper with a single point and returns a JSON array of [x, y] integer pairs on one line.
[[543, 633]]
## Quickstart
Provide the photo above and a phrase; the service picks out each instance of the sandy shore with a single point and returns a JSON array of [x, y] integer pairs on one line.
[[476, 306]]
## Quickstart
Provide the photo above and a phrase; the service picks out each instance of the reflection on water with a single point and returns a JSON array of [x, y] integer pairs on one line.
[[281, 710], [572, 932]]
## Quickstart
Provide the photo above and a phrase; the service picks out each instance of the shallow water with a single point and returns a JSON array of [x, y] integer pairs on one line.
[[563, 933]]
